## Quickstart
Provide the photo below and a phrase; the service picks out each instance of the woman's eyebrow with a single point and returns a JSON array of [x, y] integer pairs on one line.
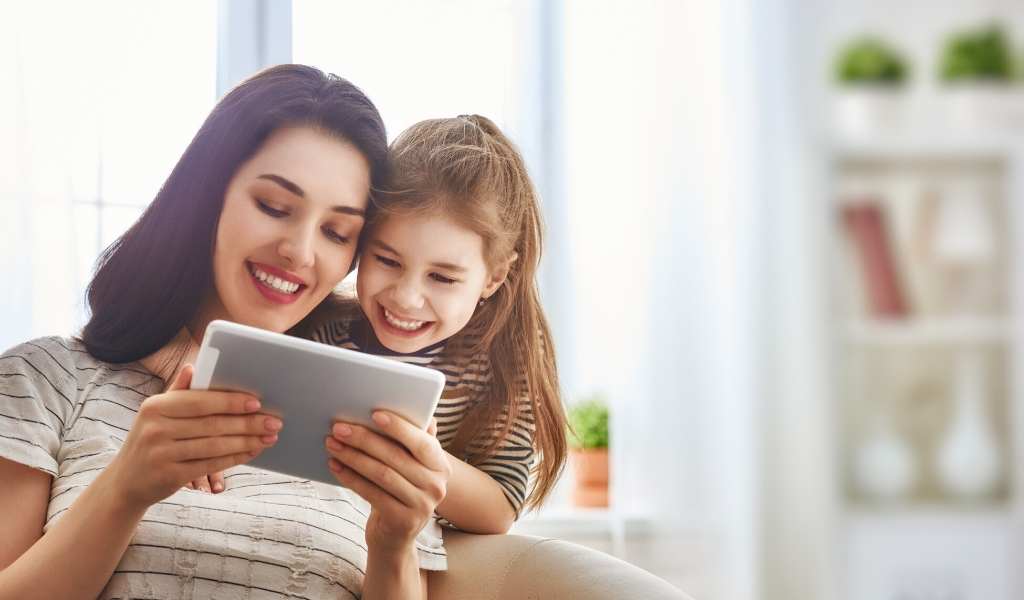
[[294, 188], [287, 184]]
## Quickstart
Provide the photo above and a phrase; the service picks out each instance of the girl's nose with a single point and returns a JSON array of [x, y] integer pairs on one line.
[[406, 294]]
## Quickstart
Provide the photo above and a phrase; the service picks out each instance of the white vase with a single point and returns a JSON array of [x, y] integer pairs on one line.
[[978, 106], [868, 110], [884, 465], [968, 462]]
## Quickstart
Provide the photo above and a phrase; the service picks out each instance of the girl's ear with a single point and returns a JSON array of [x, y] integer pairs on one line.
[[498, 276]]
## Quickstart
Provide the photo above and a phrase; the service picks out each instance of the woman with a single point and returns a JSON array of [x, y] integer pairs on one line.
[[257, 223]]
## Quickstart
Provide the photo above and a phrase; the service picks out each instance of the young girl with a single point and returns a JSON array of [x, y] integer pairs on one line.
[[447, 279]]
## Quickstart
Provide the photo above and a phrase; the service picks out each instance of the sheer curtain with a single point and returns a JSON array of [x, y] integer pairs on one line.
[[102, 99], [670, 189]]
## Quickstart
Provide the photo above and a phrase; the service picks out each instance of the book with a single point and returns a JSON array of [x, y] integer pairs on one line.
[[866, 224]]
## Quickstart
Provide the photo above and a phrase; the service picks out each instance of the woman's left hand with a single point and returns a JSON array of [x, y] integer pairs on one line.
[[402, 472]]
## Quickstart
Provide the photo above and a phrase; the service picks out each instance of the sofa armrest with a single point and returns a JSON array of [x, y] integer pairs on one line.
[[507, 567]]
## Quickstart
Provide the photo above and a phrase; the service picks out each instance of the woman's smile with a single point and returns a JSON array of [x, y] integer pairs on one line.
[[276, 285]]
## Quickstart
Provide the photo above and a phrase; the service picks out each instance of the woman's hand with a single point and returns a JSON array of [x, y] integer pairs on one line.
[[182, 434], [402, 472]]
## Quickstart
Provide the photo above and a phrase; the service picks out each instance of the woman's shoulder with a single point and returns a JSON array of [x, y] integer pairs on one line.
[[65, 362], [59, 350]]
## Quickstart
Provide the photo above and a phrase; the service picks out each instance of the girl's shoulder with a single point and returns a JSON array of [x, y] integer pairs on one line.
[[333, 322]]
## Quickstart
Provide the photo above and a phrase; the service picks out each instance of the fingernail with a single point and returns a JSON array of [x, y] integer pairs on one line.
[[333, 443], [252, 405], [218, 487], [334, 465], [268, 439], [342, 430], [381, 419], [273, 424]]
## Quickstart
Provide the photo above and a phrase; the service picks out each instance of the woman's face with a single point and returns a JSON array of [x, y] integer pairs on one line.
[[420, 280], [288, 230]]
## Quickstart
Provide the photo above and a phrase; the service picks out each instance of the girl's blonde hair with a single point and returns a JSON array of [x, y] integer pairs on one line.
[[466, 169]]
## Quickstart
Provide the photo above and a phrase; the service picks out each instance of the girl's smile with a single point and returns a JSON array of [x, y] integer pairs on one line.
[[403, 326], [420, 279]]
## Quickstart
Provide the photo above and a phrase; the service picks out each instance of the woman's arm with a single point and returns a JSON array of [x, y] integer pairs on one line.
[[77, 555], [475, 501], [394, 573], [403, 473], [176, 436]]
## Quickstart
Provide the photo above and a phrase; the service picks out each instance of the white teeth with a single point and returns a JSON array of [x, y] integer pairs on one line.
[[275, 282], [406, 325]]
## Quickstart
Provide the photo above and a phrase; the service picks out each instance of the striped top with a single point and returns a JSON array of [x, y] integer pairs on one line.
[[466, 384], [266, 536]]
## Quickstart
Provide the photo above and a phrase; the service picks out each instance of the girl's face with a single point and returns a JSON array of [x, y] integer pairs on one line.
[[420, 279], [288, 230]]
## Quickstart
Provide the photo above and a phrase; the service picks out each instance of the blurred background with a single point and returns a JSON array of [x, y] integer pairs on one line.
[[781, 262]]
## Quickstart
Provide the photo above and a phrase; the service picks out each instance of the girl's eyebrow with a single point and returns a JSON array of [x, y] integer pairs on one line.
[[294, 188], [439, 265]]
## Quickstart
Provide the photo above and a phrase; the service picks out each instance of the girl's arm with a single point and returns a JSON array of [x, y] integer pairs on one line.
[[475, 501]]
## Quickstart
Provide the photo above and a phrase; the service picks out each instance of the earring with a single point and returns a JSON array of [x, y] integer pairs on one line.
[[481, 302]]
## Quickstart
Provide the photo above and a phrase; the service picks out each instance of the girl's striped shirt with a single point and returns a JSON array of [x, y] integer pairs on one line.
[[466, 384]]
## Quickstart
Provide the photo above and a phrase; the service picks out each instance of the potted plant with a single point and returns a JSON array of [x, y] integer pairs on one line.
[[871, 75], [977, 70], [588, 440]]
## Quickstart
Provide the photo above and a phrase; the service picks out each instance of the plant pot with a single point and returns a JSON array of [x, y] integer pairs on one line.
[[590, 474], [868, 110], [982, 106]]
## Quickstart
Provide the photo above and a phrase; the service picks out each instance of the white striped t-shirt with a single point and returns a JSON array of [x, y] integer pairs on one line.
[[466, 383], [266, 536]]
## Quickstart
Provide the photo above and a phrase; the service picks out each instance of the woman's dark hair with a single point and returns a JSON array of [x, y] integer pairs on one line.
[[150, 282]]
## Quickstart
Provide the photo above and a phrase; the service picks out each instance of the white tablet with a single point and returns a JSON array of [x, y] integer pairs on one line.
[[310, 386]]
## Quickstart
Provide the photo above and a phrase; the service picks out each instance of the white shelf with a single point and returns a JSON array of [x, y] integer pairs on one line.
[[906, 146], [941, 515], [929, 331]]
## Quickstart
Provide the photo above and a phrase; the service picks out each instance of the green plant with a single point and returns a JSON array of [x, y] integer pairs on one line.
[[870, 60], [588, 423], [977, 54]]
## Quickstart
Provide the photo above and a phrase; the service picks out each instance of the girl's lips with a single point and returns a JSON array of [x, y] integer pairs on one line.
[[403, 333]]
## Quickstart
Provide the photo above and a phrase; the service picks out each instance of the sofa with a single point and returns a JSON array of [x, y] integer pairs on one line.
[[507, 567]]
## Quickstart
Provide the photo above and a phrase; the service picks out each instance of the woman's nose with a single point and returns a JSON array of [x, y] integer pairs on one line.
[[297, 247]]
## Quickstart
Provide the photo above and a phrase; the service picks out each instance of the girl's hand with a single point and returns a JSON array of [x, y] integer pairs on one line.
[[214, 482], [402, 472], [182, 434]]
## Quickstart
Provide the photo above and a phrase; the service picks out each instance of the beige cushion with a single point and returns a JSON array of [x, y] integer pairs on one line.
[[507, 567]]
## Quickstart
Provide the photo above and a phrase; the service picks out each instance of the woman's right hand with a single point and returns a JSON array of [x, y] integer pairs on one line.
[[183, 434]]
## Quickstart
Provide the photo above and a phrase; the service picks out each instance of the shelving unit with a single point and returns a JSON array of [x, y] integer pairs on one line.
[[901, 376]]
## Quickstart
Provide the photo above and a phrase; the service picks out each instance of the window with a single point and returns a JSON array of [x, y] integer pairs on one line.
[[109, 96]]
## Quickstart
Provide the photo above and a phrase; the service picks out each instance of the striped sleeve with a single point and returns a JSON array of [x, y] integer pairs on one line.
[[512, 460], [37, 397]]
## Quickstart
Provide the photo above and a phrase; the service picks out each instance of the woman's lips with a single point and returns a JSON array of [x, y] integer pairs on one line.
[[270, 293]]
